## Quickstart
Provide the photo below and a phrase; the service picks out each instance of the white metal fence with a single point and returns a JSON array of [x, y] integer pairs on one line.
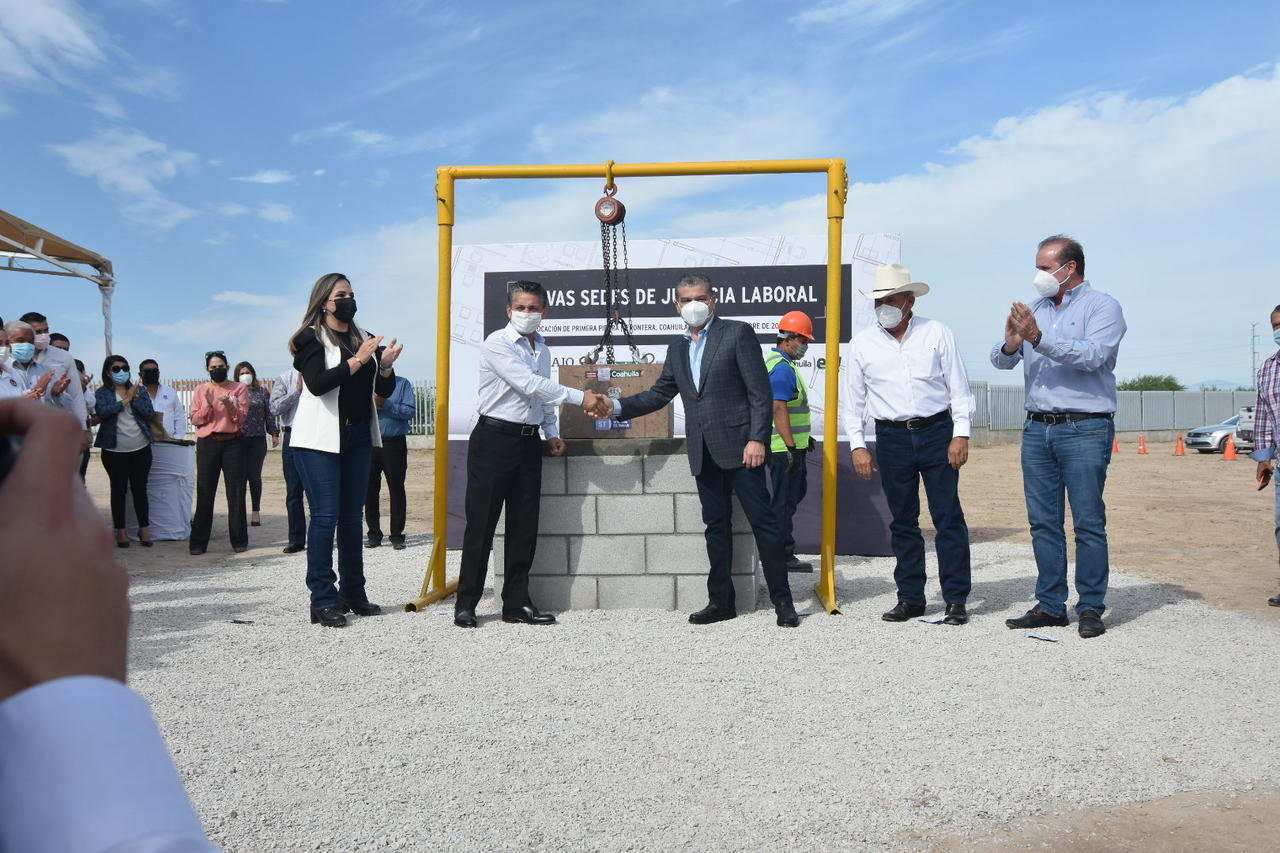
[[1003, 407], [424, 422]]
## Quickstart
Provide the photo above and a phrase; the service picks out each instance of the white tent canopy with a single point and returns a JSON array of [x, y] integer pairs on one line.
[[22, 243]]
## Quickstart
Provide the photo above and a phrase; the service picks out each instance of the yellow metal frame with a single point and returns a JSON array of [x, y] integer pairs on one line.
[[434, 585]]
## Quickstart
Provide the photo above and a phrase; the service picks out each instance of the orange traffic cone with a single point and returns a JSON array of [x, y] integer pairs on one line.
[[1115, 445], [1179, 449], [1229, 452], [1142, 445]]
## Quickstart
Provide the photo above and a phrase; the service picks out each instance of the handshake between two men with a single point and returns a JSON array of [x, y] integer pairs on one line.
[[593, 406]]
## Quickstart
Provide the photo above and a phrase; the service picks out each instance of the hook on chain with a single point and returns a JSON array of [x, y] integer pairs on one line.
[[610, 188]]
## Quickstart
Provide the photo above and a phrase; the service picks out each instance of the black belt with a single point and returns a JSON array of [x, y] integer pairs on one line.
[[509, 427], [1052, 418], [916, 423]]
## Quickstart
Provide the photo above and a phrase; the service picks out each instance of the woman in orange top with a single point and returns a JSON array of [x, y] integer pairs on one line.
[[218, 410]]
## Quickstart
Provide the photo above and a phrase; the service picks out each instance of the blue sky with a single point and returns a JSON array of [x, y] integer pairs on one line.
[[226, 154]]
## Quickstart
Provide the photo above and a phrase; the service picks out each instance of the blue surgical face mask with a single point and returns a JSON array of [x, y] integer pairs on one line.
[[24, 352], [1276, 335], [121, 377]]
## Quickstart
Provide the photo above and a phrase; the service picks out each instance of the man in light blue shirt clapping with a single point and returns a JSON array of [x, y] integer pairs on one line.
[[1067, 341]]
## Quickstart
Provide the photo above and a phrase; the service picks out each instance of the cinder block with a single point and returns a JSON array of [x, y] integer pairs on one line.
[[747, 591], [668, 474], [636, 514], [745, 559], [689, 514], [606, 555], [570, 514], [676, 554], [550, 558], [562, 593], [649, 591], [553, 475], [691, 593], [604, 475]]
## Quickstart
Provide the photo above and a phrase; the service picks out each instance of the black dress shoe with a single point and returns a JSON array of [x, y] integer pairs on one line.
[[1037, 618], [1091, 625], [146, 543], [239, 549], [329, 617], [371, 542], [362, 608], [195, 552], [527, 615], [465, 618], [787, 617], [397, 542], [293, 549], [124, 544], [795, 564], [956, 615], [1274, 601], [255, 524], [711, 613], [902, 611]]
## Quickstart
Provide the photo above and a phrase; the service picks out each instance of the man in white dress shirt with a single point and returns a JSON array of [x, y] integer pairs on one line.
[[55, 382], [83, 765], [504, 455], [285, 392], [907, 375], [62, 363]]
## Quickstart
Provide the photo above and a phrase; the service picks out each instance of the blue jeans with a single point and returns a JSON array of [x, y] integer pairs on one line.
[[1070, 457], [906, 457], [335, 484]]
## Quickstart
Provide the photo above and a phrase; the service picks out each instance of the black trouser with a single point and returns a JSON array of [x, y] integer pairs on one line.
[[128, 471], [391, 459], [255, 449], [716, 487], [788, 485], [84, 464], [293, 494], [502, 468], [225, 457]]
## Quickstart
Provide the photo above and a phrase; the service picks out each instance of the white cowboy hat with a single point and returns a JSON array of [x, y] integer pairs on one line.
[[895, 278]]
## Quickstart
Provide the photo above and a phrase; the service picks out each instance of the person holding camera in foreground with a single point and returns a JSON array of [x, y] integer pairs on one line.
[[83, 765]]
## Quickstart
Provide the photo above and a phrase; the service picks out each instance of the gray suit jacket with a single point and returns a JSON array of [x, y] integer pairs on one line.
[[734, 405]]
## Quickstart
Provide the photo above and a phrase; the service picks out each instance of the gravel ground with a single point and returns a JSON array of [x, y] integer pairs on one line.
[[633, 730]]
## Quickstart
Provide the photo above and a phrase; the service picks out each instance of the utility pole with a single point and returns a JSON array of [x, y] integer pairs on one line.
[[1253, 359]]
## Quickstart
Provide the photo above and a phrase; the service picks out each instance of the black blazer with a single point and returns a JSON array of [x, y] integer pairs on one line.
[[735, 403]]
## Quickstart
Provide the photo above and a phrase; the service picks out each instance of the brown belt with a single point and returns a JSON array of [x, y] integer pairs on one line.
[[223, 436]]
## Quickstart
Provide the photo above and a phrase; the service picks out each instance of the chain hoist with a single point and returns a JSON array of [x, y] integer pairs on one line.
[[617, 282]]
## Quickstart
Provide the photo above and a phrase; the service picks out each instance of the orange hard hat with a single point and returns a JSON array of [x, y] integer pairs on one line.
[[798, 323]]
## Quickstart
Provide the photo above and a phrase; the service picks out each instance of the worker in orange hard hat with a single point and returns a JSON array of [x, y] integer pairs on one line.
[[790, 443]]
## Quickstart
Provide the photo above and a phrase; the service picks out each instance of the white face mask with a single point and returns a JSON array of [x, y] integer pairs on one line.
[[246, 378], [888, 316], [695, 314], [4, 353], [1046, 283], [526, 322], [42, 341]]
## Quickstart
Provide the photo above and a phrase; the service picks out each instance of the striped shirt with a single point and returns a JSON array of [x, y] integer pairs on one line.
[[1266, 409]]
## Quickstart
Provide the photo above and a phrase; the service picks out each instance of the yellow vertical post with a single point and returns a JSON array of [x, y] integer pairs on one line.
[[837, 191], [434, 587]]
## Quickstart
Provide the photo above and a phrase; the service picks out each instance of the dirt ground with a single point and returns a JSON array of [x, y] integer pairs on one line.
[[1194, 521]]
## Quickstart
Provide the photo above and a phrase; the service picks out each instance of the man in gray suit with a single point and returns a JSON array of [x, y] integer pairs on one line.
[[718, 371]]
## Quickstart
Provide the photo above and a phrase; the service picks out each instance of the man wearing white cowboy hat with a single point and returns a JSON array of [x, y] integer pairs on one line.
[[907, 374]]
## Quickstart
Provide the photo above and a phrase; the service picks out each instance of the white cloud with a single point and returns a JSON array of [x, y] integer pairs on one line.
[[273, 212], [46, 40], [858, 13], [239, 297], [129, 164], [364, 141], [318, 172], [154, 82], [231, 208], [267, 176], [219, 238]]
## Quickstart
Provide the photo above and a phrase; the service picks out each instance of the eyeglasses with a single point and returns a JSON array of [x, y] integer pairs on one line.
[[118, 367], [219, 353]]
